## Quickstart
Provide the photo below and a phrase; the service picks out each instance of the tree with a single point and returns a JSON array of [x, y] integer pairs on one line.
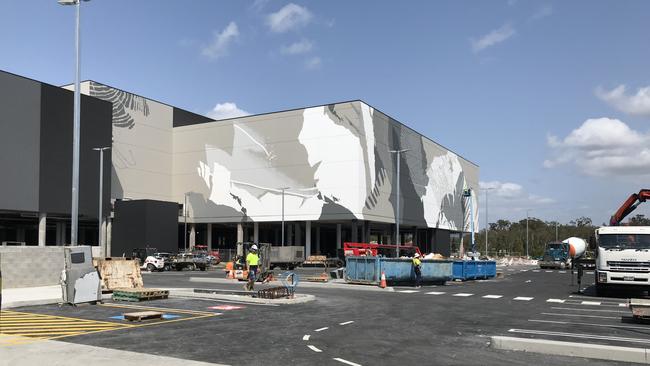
[[639, 220]]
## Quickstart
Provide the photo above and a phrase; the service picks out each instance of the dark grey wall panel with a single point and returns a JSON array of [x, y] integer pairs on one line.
[[144, 223], [19, 142], [56, 152], [184, 118]]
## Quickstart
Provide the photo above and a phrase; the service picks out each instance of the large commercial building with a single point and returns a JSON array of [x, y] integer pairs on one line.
[[327, 171]]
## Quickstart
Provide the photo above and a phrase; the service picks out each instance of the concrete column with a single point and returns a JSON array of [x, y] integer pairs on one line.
[[256, 232], [307, 239], [240, 233], [109, 236], [102, 243], [366, 232], [338, 236], [209, 236], [298, 234], [42, 219], [317, 238], [355, 236], [192, 236]]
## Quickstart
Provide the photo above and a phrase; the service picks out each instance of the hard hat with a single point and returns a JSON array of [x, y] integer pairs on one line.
[[417, 255], [254, 247]]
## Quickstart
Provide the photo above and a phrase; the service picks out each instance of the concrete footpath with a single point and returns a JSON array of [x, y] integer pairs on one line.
[[27, 296], [55, 353]]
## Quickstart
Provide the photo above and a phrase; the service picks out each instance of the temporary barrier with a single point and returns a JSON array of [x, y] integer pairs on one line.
[[471, 270], [367, 270]]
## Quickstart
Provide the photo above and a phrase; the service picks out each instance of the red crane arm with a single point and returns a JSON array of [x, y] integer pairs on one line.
[[629, 205]]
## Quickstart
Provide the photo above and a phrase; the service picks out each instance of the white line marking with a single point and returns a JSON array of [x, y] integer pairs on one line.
[[321, 329], [549, 271], [590, 324], [529, 281], [562, 271], [536, 270], [346, 362], [523, 298], [462, 294], [590, 303], [435, 293], [559, 301], [592, 310], [306, 337], [623, 305], [314, 348], [584, 316], [492, 296], [510, 269], [523, 270], [589, 272], [346, 323], [579, 335], [408, 291]]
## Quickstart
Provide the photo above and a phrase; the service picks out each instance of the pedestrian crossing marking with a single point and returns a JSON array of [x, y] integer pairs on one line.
[[558, 301], [435, 293], [408, 291], [536, 270], [523, 298], [462, 294], [492, 296], [590, 303]]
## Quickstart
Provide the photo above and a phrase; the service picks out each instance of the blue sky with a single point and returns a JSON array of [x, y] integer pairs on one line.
[[550, 98]]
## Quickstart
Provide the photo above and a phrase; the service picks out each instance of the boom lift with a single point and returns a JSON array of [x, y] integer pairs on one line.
[[628, 206]]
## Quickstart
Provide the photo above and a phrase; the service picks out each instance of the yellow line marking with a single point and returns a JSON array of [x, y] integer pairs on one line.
[[55, 317], [85, 326]]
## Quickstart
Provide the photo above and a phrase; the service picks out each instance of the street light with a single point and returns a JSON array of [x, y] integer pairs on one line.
[[283, 189], [487, 227], [101, 191], [397, 218], [527, 216], [75, 135]]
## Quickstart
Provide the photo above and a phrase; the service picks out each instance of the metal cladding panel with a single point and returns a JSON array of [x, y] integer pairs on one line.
[[56, 152], [336, 161], [20, 117]]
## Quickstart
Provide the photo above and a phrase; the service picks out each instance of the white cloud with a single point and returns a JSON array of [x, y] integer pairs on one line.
[[222, 40], [506, 198], [297, 48], [313, 63], [542, 12], [637, 104], [494, 37], [602, 147], [506, 190], [290, 17], [226, 110]]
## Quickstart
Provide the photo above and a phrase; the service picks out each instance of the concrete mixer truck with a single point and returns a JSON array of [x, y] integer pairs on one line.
[[563, 254]]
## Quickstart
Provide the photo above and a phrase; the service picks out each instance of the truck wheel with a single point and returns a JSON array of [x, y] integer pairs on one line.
[[151, 267]]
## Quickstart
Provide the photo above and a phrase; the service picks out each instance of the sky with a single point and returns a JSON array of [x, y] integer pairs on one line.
[[550, 98]]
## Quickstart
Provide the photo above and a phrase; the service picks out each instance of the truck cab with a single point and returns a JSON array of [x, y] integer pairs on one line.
[[556, 255], [622, 258]]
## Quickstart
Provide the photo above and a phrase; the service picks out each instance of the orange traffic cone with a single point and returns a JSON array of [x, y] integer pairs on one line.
[[231, 274], [382, 284]]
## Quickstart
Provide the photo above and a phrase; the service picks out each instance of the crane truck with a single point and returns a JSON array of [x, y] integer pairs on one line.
[[623, 252]]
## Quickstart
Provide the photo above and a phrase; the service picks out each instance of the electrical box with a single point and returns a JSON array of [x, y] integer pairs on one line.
[[80, 281]]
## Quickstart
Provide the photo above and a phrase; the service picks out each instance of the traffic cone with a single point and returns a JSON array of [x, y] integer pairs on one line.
[[231, 274], [382, 284]]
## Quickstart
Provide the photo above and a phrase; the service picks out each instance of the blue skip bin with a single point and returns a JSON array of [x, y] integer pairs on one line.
[[367, 270], [471, 270]]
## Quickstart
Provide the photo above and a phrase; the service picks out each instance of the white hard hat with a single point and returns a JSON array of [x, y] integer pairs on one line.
[[417, 255], [254, 247]]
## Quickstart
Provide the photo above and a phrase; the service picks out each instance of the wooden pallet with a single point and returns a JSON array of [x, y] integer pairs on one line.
[[139, 294], [142, 315]]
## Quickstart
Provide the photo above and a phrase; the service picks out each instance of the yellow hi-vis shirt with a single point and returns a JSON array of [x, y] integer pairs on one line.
[[416, 262], [252, 259]]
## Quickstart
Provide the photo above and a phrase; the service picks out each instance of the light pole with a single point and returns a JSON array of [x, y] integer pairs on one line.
[[283, 189], [75, 135], [487, 227], [100, 216], [527, 216], [397, 216]]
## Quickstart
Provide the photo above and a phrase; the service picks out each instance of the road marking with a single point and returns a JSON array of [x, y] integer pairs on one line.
[[523, 298], [306, 337], [536, 270], [562, 271], [559, 301], [510, 269], [523, 270], [591, 303], [528, 281], [462, 294], [346, 323], [589, 272], [321, 329], [622, 305], [435, 293], [549, 271], [584, 316], [590, 324], [313, 348], [492, 296], [592, 310], [346, 362], [408, 291], [580, 335]]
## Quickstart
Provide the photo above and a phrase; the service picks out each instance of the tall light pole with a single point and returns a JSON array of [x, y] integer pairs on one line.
[[283, 189], [487, 227], [397, 216], [100, 216], [75, 135], [527, 216]]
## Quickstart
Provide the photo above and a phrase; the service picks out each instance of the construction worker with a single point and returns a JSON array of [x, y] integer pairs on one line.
[[416, 268], [252, 262]]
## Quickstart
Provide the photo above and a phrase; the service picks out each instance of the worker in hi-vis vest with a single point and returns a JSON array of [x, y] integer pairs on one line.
[[416, 268], [252, 263]]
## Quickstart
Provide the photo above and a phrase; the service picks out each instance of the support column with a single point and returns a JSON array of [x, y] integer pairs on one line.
[[240, 233], [318, 239], [109, 236], [256, 232], [20, 233], [42, 219], [209, 236], [366, 232], [58, 234], [355, 236], [298, 234], [338, 236], [307, 239], [102, 242], [192, 236]]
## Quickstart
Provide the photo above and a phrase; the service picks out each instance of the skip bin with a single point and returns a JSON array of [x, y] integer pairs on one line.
[[363, 270], [471, 270], [367, 270]]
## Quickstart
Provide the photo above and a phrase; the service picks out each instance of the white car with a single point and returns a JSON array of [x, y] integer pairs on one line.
[[153, 264]]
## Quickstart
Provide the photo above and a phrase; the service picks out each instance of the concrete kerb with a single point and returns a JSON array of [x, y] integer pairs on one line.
[[190, 294], [572, 349], [331, 284]]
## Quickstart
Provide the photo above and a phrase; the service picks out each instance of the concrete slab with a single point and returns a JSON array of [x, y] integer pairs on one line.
[[27, 296], [55, 353], [573, 349]]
